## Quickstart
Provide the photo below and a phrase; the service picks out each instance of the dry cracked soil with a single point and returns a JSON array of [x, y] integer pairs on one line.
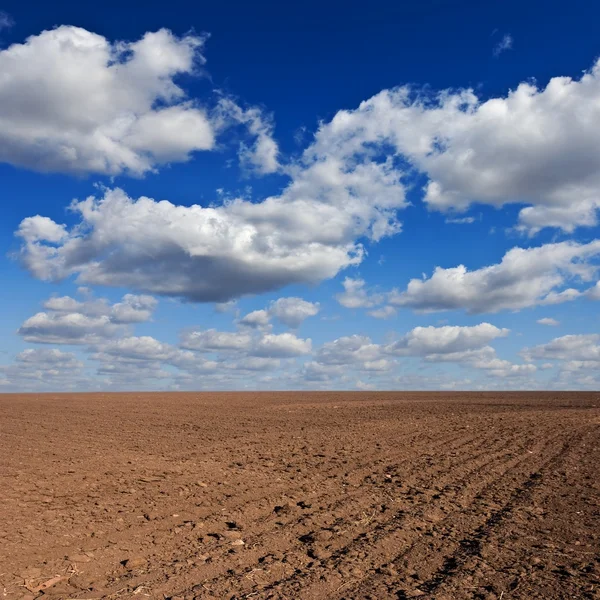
[[300, 496]]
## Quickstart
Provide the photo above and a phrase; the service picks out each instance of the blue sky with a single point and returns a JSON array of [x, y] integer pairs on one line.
[[261, 196]]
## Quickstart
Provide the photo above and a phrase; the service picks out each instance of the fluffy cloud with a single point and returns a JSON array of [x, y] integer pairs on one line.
[[524, 277], [73, 328], [138, 348], [433, 341], [584, 348], [212, 340], [262, 156], [256, 319], [245, 343], [135, 359], [42, 368], [548, 321], [594, 292], [71, 101], [538, 147], [305, 235], [70, 321], [349, 350], [337, 362], [254, 363], [293, 311], [284, 345], [355, 294], [385, 312], [132, 308], [290, 311]]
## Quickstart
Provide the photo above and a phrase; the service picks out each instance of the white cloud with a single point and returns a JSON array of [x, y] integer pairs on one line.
[[212, 340], [132, 309], [384, 312], [262, 156], [315, 372], [72, 101], [461, 220], [428, 341], [73, 328], [293, 311], [42, 369], [284, 345], [307, 234], [223, 307], [47, 356], [585, 347], [38, 228], [138, 348], [254, 363], [355, 295], [356, 352], [535, 147], [290, 311], [548, 321], [365, 386], [70, 321], [594, 292], [256, 319], [503, 45], [524, 278], [567, 295]]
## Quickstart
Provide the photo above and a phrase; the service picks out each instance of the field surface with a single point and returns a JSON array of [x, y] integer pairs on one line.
[[300, 496]]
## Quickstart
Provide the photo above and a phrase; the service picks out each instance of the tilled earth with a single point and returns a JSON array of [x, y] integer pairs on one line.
[[300, 496]]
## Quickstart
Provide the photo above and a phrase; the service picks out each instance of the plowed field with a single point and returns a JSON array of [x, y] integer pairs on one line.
[[300, 496]]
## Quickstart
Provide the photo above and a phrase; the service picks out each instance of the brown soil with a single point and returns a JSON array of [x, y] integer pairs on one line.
[[300, 496]]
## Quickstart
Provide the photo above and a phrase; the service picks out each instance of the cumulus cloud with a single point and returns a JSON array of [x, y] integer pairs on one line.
[[42, 369], [548, 321], [72, 101], [141, 362], [254, 363], [524, 278], [538, 147], [138, 348], [293, 311], [593, 293], [132, 308], [284, 345], [583, 348], [356, 295], [73, 328], [211, 340], [385, 312], [256, 319], [70, 321], [313, 371], [354, 350], [448, 339], [262, 156], [467, 346], [310, 232]]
